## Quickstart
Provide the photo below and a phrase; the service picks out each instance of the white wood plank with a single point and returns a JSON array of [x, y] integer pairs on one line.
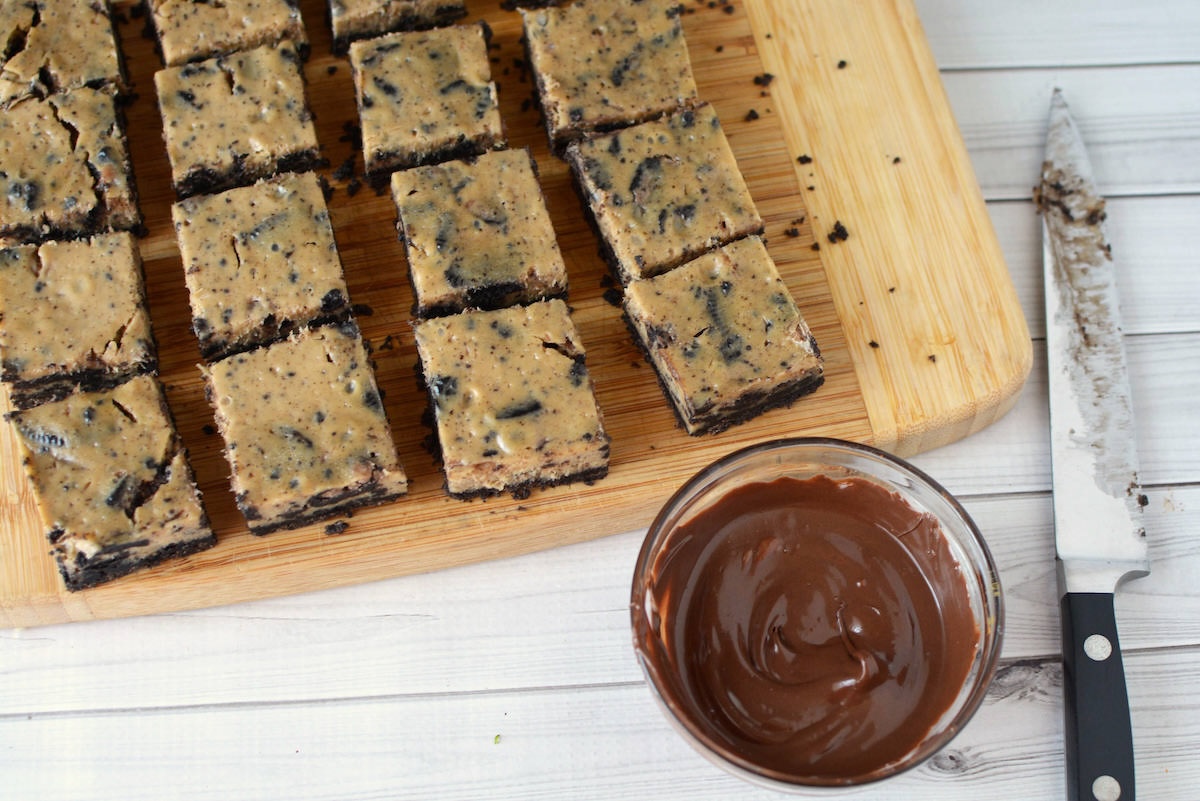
[[579, 743], [552, 619], [1028, 33], [1012, 455], [1155, 251], [1141, 125]]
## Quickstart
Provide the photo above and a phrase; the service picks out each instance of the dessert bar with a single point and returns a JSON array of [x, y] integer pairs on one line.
[[604, 64], [231, 120], [72, 315], [305, 432], [477, 234], [425, 96], [512, 400], [725, 337], [662, 192], [191, 30], [364, 19], [259, 261], [52, 46], [112, 482], [64, 168]]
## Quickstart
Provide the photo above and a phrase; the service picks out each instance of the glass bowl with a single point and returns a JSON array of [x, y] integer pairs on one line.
[[802, 652]]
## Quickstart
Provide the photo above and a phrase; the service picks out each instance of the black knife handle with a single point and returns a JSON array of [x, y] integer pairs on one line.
[[1099, 737]]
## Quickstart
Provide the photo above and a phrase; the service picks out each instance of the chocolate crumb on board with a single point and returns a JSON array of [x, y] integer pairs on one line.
[[873, 344], [816, 246], [751, 115], [612, 296], [896, 160], [720, 48], [763, 80], [842, 64], [933, 357], [839, 233], [337, 527], [791, 232], [804, 158]]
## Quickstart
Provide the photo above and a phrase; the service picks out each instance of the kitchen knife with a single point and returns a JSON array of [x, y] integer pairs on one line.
[[1099, 538]]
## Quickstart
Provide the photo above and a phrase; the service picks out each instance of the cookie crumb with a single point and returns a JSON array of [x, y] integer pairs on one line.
[[804, 159], [763, 80], [336, 527], [842, 64], [839, 233], [751, 115]]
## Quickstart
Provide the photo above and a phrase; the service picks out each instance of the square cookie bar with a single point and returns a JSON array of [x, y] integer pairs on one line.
[[259, 261], [512, 400], [64, 168], [231, 120], [604, 64], [112, 482], [725, 337], [425, 96], [72, 315], [190, 31], [363, 19], [52, 46], [477, 234], [305, 432], [663, 192]]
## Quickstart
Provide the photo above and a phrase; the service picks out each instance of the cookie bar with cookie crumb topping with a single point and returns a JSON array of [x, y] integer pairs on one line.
[[305, 432], [112, 481], [512, 400], [72, 315], [725, 337]]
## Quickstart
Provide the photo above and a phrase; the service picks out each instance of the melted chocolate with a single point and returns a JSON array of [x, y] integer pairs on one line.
[[816, 628]]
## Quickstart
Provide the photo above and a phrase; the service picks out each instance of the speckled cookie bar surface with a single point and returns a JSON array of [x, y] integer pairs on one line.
[[53, 46], [512, 400], [364, 19], [663, 192], [425, 97], [231, 120], [259, 261], [477, 234], [64, 168], [305, 431], [190, 31], [603, 64], [725, 336], [72, 314], [112, 481]]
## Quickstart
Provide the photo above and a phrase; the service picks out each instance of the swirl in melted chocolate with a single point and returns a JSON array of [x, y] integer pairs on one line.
[[815, 629]]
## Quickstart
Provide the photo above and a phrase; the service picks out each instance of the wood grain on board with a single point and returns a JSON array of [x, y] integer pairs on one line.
[[916, 315]]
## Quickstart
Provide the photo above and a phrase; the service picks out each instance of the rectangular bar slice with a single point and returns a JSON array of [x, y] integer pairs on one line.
[[477, 234], [231, 120], [305, 432], [663, 192], [604, 64], [425, 96], [72, 315], [112, 481], [259, 262], [191, 30], [363, 19], [64, 168], [725, 337], [52, 46], [512, 400]]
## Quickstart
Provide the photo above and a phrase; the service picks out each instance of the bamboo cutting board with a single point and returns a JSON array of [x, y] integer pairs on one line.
[[913, 306]]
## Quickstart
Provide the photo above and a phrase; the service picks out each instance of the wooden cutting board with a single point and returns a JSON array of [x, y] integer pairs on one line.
[[914, 309]]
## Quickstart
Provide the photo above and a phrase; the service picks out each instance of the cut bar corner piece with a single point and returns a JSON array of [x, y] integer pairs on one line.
[[725, 337], [112, 481]]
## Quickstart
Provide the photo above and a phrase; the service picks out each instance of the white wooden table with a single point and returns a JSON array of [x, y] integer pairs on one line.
[[516, 679]]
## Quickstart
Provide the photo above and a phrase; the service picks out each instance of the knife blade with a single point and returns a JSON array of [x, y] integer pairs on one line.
[[1099, 539]]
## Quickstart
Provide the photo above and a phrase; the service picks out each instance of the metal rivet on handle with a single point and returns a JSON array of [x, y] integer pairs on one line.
[[1098, 648], [1106, 788]]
